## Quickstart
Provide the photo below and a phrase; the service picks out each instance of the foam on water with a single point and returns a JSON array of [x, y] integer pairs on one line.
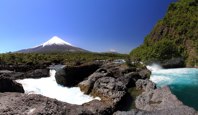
[[154, 67], [49, 88], [183, 82]]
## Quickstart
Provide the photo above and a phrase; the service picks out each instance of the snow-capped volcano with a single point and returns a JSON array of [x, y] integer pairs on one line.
[[55, 41], [55, 44]]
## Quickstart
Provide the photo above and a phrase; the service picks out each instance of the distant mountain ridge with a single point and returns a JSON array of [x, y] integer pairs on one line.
[[54, 45], [175, 36]]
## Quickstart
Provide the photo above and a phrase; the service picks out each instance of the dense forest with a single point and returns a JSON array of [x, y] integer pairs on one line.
[[59, 58], [176, 35]]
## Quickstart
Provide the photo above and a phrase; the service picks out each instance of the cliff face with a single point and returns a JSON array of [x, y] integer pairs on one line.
[[175, 36]]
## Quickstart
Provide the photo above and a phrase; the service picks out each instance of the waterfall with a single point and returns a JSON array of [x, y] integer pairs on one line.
[[49, 88], [154, 67]]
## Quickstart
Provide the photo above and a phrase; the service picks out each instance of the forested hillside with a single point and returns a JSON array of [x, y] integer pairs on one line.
[[174, 36]]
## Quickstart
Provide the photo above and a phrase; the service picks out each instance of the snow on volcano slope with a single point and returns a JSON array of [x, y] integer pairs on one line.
[[55, 41], [54, 45]]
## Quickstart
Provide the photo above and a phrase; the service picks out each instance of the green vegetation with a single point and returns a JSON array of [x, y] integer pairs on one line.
[[63, 58], [176, 35]]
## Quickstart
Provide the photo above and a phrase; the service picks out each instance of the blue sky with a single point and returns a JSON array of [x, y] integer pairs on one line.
[[95, 25]]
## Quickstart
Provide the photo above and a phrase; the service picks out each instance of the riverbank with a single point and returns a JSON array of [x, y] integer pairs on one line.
[[183, 82], [112, 83]]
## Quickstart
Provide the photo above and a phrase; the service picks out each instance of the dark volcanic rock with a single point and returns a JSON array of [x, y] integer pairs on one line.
[[125, 74], [110, 83], [37, 73], [158, 99], [72, 75], [32, 104], [87, 85], [146, 85], [98, 107], [157, 102], [108, 88], [144, 73], [173, 63], [8, 85], [23, 104], [23, 67], [183, 110]]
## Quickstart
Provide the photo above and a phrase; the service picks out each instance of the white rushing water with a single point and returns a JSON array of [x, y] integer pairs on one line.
[[49, 88], [177, 76], [183, 82]]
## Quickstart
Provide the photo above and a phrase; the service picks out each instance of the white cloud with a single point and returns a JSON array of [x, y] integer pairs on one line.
[[113, 50]]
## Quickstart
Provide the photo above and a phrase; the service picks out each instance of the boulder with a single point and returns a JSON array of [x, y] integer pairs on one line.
[[158, 99], [23, 67], [14, 75], [173, 63], [144, 73], [8, 85], [110, 82], [122, 72], [108, 88], [87, 85], [99, 108], [37, 73], [130, 78], [146, 85], [116, 70], [71, 75]]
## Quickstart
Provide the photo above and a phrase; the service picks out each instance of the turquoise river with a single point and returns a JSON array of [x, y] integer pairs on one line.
[[183, 82]]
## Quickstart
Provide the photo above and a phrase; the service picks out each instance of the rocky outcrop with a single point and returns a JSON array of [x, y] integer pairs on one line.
[[71, 75], [110, 83], [8, 85], [122, 73], [109, 88], [23, 67], [23, 104], [32, 104], [157, 101], [183, 110], [99, 107], [37, 73], [173, 63], [146, 85], [144, 73]]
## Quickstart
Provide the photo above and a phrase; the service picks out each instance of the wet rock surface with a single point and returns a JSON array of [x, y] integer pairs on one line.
[[71, 75], [110, 82], [173, 63], [8, 85], [157, 101]]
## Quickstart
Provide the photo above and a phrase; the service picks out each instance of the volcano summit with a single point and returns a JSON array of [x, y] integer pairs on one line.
[[55, 44]]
